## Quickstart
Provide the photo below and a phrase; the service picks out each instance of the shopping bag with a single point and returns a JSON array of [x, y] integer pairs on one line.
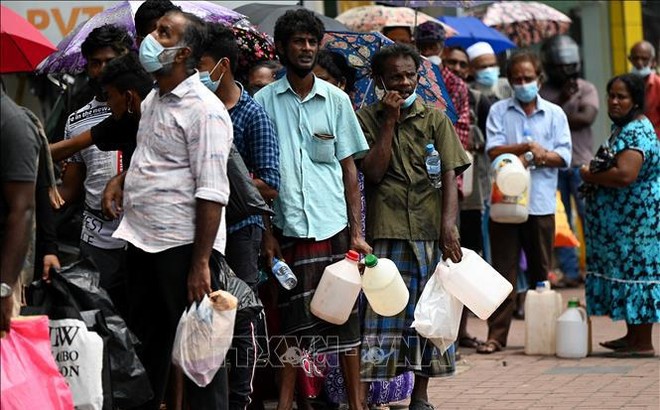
[[74, 291], [204, 335], [437, 314], [25, 359]]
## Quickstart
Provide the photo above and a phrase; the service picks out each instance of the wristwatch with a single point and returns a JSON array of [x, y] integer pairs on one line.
[[5, 290], [529, 157]]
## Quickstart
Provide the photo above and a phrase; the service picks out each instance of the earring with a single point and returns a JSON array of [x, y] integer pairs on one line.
[[129, 110]]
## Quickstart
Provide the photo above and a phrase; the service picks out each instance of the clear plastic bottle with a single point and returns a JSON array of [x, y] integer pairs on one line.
[[284, 274], [433, 166], [527, 136]]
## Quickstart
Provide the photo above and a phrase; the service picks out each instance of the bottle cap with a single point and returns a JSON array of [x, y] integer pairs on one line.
[[573, 303], [352, 255], [370, 260], [429, 148], [540, 284]]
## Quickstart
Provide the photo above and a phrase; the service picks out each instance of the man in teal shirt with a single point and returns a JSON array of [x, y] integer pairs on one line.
[[317, 211]]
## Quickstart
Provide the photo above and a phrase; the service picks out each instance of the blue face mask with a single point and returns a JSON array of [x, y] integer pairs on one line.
[[153, 56], [488, 76], [644, 72], [205, 78], [410, 100], [526, 92]]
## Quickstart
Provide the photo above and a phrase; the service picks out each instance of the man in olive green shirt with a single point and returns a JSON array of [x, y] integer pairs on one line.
[[408, 220]]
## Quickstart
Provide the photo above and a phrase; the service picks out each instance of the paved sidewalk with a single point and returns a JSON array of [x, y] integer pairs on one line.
[[512, 380]]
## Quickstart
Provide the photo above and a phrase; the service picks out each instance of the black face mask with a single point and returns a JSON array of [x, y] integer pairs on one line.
[[96, 87], [621, 121]]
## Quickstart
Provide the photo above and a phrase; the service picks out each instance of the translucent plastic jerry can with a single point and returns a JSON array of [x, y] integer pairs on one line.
[[542, 309], [383, 286], [338, 290]]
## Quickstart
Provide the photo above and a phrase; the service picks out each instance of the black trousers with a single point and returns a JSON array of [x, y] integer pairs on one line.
[[242, 253], [158, 295]]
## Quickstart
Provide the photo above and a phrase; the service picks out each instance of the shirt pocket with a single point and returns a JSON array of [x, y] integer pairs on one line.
[[322, 148], [166, 139]]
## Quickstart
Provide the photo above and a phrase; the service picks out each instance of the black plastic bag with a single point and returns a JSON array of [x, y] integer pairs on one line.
[[244, 199], [76, 288]]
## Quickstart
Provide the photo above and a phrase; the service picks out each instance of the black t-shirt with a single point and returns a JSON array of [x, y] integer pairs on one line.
[[116, 135], [19, 150]]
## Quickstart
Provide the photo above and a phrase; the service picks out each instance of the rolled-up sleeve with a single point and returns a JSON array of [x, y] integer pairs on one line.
[[563, 145], [264, 148], [209, 140]]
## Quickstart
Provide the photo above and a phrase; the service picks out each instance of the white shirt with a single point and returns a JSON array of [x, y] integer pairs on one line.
[[100, 167], [183, 144]]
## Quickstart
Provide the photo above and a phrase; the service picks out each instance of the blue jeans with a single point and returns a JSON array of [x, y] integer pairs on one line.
[[567, 183]]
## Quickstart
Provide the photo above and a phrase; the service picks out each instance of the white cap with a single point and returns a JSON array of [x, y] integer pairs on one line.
[[479, 49]]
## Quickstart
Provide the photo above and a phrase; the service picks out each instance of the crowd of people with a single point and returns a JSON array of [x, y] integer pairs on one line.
[[152, 155]]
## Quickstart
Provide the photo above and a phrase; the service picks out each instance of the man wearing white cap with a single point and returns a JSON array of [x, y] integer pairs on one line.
[[486, 72]]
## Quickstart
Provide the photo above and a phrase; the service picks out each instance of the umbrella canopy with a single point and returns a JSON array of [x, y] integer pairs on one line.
[[264, 16], [22, 46], [416, 4], [526, 22], [69, 59], [359, 48], [472, 30], [375, 18]]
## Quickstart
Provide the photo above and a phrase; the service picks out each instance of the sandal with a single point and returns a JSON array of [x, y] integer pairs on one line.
[[471, 342], [631, 353], [420, 405], [615, 344], [491, 346]]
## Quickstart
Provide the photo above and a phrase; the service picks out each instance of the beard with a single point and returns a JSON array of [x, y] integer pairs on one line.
[[298, 71]]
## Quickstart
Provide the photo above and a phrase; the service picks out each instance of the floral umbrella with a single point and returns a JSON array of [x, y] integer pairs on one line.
[[68, 58], [526, 22], [375, 18], [359, 48]]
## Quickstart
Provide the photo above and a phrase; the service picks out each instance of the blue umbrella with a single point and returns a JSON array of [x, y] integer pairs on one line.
[[359, 48], [471, 30]]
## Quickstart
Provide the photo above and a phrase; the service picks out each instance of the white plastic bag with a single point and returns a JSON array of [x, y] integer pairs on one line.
[[204, 336], [78, 355], [438, 314]]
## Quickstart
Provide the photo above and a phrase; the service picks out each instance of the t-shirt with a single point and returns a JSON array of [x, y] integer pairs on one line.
[[19, 155], [100, 167], [581, 138]]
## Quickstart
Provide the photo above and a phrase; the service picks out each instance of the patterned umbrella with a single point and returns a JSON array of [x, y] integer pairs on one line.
[[374, 18], [359, 48], [526, 22], [68, 58], [416, 4]]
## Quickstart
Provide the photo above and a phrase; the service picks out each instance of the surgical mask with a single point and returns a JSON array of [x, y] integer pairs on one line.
[[205, 78], [408, 101], [488, 76], [644, 72], [435, 60], [526, 92], [154, 56]]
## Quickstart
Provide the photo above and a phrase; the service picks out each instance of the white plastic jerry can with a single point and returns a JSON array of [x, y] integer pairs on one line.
[[573, 332], [542, 308]]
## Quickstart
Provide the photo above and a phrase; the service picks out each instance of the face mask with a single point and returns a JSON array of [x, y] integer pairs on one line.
[[435, 60], [95, 85], [205, 78], [408, 101], [488, 76], [154, 56], [644, 72], [526, 92]]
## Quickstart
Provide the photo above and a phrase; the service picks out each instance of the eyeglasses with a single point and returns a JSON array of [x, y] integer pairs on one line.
[[462, 64]]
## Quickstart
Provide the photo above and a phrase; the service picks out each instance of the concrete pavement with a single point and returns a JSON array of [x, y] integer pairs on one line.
[[512, 380]]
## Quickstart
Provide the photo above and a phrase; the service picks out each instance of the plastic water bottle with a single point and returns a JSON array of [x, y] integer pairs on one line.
[[433, 166], [527, 135], [284, 274]]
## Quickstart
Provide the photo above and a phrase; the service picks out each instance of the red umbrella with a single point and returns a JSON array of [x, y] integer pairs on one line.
[[22, 46]]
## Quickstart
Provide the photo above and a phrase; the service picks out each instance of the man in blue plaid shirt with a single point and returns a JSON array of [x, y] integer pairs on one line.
[[256, 141]]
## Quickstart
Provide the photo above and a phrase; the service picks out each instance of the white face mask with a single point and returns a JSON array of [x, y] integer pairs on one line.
[[644, 72], [435, 60]]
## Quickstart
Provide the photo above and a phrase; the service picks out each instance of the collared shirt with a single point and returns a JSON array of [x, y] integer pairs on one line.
[[404, 205], [256, 141], [582, 138], [314, 135], [548, 126], [652, 109], [182, 149]]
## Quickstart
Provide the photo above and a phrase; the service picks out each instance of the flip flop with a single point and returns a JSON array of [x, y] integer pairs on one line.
[[491, 346], [470, 342], [615, 344], [631, 354]]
